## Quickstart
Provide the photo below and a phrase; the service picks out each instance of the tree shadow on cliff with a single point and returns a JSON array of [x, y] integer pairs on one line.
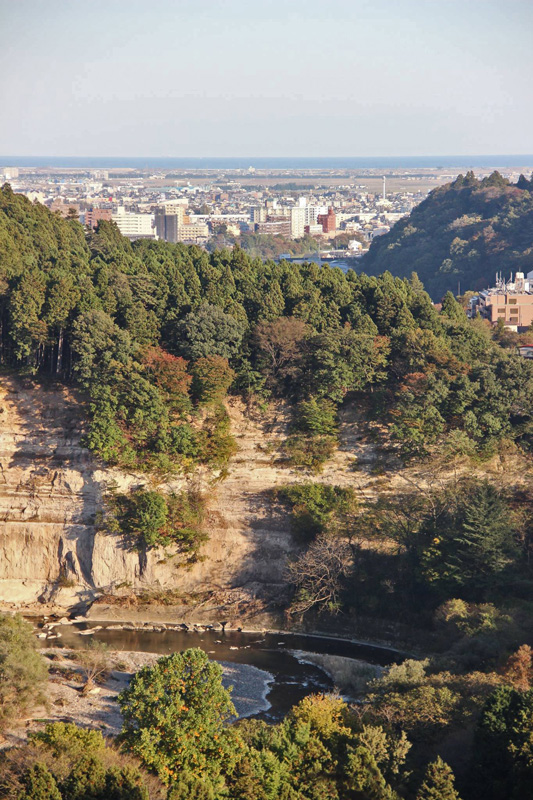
[[270, 545]]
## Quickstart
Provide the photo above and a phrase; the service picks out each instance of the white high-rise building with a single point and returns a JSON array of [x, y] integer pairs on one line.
[[298, 223], [134, 226], [311, 214]]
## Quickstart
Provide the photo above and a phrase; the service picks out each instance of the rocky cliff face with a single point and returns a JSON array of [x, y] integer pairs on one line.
[[51, 491]]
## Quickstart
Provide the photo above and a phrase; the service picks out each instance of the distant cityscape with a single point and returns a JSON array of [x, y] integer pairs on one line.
[[332, 211]]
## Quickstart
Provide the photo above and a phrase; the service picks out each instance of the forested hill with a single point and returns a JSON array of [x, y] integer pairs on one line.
[[156, 334], [464, 232]]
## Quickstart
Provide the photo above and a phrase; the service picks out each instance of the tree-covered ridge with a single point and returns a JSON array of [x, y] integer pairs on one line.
[[157, 334], [464, 232]]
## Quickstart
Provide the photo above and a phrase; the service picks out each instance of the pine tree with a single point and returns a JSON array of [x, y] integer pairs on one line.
[[484, 541], [452, 309], [40, 784], [438, 783]]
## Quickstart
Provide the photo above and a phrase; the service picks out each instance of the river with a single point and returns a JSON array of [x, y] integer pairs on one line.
[[287, 677]]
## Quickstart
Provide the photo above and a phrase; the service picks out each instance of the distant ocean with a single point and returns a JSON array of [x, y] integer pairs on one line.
[[348, 163]]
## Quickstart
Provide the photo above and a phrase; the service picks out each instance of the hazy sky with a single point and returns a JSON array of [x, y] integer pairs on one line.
[[266, 77]]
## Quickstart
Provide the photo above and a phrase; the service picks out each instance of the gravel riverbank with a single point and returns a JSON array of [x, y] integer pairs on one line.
[[99, 709]]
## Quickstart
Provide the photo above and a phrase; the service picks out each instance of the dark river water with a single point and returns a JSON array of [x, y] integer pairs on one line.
[[293, 679]]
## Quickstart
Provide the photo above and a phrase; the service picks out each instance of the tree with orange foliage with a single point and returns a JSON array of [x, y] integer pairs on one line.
[[170, 375], [518, 670]]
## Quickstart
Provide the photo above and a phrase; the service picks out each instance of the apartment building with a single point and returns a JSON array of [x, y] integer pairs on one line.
[[275, 226], [193, 233], [92, 216], [134, 226], [328, 221], [298, 221]]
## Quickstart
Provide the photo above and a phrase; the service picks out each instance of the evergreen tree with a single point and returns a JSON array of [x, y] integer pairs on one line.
[[471, 542], [438, 783], [452, 309], [39, 784], [22, 668], [86, 780]]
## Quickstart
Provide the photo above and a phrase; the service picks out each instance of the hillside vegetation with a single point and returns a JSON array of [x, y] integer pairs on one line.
[[463, 233], [156, 334]]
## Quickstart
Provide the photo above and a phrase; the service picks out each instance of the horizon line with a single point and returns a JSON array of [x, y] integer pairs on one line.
[[256, 156]]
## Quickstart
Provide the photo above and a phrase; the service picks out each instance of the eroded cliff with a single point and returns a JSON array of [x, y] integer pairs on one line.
[[52, 489]]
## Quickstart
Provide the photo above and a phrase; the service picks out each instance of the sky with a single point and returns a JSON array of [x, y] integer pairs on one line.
[[266, 77]]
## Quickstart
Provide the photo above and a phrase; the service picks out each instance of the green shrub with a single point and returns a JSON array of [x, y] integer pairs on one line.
[[316, 506], [39, 784], [74, 764], [309, 452], [317, 417], [313, 436], [148, 518], [22, 669], [216, 443], [212, 377]]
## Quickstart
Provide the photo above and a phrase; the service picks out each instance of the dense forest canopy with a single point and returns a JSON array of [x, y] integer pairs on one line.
[[463, 233], [157, 334]]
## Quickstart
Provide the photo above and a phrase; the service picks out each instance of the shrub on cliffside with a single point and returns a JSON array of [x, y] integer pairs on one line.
[[317, 507], [148, 518], [22, 670]]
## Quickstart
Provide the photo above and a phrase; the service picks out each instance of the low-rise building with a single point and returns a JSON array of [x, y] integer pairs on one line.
[[314, 229], [275, 227], [509, 301], [92, 216]]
